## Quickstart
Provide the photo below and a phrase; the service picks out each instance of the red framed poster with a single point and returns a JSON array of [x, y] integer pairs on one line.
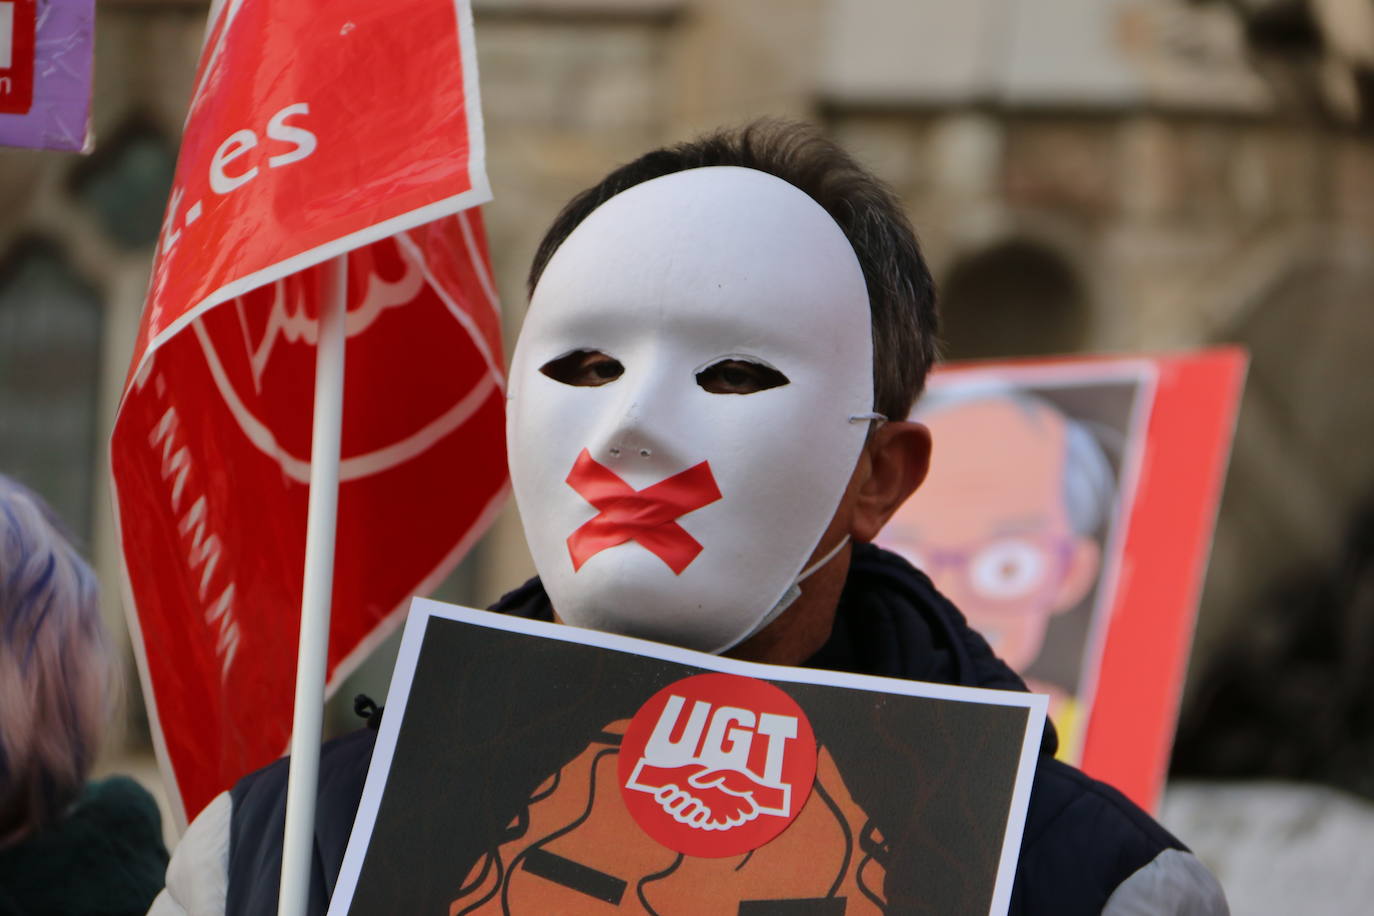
[[1068, 513]]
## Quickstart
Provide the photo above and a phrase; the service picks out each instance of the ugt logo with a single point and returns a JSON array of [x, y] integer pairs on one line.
[[717, 764]]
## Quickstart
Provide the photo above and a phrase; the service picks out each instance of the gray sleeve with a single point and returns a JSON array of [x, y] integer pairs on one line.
[[1174, 883], [198, 875]]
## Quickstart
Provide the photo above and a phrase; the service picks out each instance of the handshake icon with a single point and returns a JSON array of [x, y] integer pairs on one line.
[[709, 799]]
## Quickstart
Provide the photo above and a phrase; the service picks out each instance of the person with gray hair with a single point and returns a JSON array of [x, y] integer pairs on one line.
[[66, 846]]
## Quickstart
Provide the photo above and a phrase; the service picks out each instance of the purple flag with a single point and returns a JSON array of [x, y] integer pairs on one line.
[[45, 73]]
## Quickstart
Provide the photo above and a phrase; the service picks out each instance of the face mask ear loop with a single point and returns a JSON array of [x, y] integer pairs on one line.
[[830, 555], [874, 420], [792, 594]]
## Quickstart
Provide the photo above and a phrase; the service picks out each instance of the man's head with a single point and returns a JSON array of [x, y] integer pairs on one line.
[[1006, 524], [901, 293], [692, 395]]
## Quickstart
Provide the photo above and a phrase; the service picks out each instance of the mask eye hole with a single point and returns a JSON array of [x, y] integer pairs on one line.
[[739, 376], [584, 368]]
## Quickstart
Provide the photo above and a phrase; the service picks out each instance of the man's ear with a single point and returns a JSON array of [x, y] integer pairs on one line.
[[897, 457]]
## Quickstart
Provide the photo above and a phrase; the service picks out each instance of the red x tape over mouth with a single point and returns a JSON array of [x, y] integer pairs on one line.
[[647, 517]]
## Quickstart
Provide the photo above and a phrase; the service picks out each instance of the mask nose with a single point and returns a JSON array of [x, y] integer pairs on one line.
[[632, 440], [635, 435]]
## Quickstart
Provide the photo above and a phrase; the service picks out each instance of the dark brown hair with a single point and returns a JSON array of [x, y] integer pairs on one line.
[[901, 293]]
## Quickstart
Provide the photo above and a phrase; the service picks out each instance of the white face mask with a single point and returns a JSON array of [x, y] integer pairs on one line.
[[657, 501]]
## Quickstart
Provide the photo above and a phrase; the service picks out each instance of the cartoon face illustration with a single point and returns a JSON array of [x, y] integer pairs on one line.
[[1004, 524], [576, 849]]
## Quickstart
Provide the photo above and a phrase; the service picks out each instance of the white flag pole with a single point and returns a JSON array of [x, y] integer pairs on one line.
[[312, 658]]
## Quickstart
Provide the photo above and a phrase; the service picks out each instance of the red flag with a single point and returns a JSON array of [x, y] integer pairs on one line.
[[314, 130]]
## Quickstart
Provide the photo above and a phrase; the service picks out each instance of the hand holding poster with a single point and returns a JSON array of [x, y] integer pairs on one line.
[[583, 771]]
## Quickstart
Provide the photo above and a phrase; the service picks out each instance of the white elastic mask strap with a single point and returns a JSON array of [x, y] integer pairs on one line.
[[792, 594], [823, 560]]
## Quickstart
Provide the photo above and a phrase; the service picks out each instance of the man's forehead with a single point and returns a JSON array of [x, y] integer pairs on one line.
[[711, 207], [710, 242]]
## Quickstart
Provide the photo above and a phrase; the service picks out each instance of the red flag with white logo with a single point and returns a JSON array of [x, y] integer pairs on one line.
[[315, 131]]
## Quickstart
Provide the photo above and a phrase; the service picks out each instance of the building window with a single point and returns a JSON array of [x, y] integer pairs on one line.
[[125, 183], [1013, 299], [50, 332]]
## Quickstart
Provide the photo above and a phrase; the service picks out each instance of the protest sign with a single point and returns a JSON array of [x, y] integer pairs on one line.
[[352, 131], [529, 768], [46, 53], [1068, 513]]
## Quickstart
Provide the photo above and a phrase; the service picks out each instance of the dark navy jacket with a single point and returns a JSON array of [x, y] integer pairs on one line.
[[1082, 840]]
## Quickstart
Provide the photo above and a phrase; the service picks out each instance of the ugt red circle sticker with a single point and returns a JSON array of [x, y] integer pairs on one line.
[[716, 765]]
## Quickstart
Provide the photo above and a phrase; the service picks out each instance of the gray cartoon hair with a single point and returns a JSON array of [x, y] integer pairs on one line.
[[1088, 483]]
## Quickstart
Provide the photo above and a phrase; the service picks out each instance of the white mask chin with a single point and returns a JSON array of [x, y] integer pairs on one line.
[[657, 501]]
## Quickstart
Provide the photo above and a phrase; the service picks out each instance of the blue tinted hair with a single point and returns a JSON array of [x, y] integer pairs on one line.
[[57, 675]]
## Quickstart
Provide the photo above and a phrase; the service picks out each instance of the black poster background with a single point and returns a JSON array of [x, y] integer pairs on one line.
[[492, 714]]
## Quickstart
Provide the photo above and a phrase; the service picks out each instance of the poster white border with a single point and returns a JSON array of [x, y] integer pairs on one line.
[[422, 610]]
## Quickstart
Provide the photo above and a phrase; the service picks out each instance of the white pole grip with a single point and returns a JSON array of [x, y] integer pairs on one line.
[[312, 659]]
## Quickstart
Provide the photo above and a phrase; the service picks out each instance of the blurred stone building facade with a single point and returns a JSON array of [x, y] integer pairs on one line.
[[1085, 175]]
